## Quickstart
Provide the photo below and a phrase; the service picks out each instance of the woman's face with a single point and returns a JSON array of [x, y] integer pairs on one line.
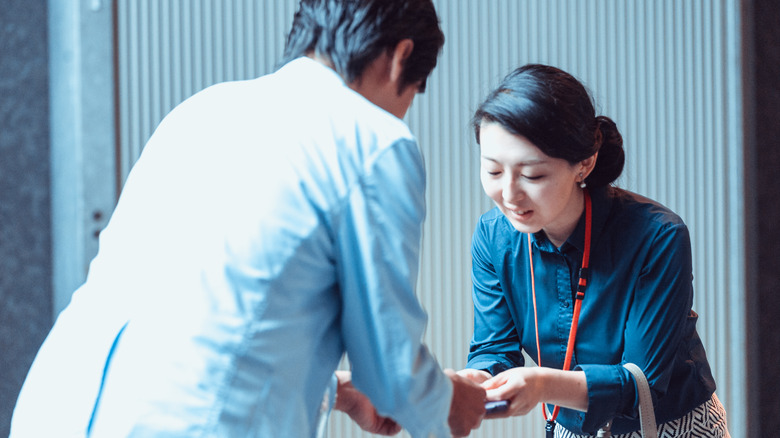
[[534, 191]]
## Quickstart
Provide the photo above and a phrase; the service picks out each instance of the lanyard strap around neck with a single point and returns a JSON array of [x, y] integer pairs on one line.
[[582, 283]]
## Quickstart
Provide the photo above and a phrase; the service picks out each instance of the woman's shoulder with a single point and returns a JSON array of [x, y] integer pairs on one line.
[[491, 217], [639, 225], [627, 206], [493, 226]]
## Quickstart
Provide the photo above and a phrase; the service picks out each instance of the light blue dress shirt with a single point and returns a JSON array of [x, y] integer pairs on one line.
[[269, 227]]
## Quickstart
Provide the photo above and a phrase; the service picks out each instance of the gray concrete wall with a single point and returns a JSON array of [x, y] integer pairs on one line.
[[25, 259]]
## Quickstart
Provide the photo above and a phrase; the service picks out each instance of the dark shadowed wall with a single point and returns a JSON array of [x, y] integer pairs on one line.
[[25, 265], [762, 152]]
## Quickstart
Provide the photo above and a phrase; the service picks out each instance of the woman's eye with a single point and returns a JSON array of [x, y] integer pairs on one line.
[[533, 177]]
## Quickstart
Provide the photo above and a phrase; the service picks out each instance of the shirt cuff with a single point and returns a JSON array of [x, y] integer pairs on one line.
[[609, 389], [437, 404], [491, 363], [328, 402]]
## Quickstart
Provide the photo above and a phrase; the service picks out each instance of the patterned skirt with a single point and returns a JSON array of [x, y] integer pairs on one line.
[[708, 420]]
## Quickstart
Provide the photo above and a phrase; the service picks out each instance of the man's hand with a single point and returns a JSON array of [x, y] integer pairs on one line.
[[468, 405], [352, 402]]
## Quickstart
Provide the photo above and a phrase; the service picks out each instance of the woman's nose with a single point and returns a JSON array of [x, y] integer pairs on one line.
[[511, 191]]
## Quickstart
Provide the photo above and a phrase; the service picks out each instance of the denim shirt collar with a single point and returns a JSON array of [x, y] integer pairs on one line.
[[601, 202]]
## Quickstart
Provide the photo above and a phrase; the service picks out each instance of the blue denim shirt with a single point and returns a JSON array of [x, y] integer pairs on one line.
[[637, 308], [269, 227]]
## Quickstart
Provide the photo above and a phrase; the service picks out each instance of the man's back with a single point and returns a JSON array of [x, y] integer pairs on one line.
[[239, 251]]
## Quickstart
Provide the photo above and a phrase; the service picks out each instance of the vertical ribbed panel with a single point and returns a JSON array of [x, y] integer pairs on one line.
[[171, 49], [666, 71]]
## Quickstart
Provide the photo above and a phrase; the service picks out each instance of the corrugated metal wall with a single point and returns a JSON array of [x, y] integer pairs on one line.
[[666, 71], [170, 49]]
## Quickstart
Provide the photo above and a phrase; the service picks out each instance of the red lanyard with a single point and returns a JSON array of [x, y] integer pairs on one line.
[[581, 284]]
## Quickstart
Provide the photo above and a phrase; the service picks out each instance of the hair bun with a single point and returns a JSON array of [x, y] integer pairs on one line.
[[611, 159]]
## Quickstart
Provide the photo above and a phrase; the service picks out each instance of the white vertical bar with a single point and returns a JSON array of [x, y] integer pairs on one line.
[[82, 157]]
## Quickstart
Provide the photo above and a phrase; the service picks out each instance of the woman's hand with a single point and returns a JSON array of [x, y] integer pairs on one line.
[[525, 388], [476, 376], [520, 386]]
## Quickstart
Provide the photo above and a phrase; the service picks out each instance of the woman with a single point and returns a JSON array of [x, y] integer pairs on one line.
[[608, 281]]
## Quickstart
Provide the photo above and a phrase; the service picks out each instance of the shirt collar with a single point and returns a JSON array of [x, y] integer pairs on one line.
[[309, 70], [601, 203]]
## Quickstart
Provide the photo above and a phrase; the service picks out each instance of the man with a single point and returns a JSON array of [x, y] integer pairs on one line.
[[269, 227]]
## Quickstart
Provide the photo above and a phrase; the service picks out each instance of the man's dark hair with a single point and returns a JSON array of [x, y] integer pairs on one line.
[[353, 33]]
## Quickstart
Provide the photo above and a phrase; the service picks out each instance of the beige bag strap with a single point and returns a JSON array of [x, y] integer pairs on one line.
[[646, 412]]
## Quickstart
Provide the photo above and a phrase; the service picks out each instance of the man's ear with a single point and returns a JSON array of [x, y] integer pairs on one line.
[[398, 58]]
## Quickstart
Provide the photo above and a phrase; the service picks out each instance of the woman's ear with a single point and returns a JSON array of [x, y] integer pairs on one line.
[[588, 164], [398, 58]]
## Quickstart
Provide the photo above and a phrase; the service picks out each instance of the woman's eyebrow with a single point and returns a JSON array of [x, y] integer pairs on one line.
[[520, 163]]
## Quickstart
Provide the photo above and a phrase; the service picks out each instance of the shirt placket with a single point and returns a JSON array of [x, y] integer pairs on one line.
[[565, 308]]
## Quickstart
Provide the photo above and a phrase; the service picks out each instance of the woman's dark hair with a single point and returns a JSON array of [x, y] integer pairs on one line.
[[353, 33], [555, 112]]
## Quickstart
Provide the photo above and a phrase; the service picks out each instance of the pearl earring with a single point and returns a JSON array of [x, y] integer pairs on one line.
[[582, 182]]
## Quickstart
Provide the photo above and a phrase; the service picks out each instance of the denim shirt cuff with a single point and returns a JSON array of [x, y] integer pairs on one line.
[[609, 388], [328, 402], [493, 364]]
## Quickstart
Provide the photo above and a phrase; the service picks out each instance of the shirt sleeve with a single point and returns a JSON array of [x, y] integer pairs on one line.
[[378, 246], [495, 345], [654, 330]]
